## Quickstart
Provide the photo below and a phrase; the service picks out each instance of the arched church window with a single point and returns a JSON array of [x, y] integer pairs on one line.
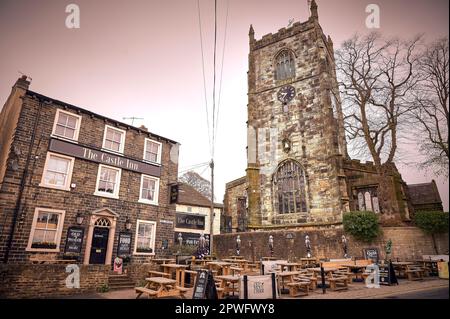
[[289, 189], [368, 199], [285, 65]]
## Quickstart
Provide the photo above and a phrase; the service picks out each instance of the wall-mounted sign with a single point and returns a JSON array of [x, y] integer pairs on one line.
[[165, 221], [190, 221], [371, 253], [106, 158], [173, 193], [74, 240], [124, 245]]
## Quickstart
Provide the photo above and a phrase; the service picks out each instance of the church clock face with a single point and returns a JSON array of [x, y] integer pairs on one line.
[[286, 94]]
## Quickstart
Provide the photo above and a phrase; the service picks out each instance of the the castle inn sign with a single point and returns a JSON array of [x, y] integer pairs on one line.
[[79, 151]]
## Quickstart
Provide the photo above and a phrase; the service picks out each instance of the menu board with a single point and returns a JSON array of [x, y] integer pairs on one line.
[[124, 245], [371, 253], [205, 287], [387, 275], [74, 240]]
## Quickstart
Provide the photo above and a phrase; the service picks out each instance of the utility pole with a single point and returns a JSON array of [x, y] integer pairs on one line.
[[211, 219]]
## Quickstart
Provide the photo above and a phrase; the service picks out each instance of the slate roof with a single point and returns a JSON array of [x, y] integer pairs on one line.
[[188, 195], [424, 193]]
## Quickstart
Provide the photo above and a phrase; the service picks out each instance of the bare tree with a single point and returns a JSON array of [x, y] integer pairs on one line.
[[431, 113], [199, 183], [376, 78]]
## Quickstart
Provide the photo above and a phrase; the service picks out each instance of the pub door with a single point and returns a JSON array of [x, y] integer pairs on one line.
[[99, 245]]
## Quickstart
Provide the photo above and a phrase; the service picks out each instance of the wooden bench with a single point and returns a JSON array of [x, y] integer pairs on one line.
[[220, 292], [236, 269], [158, 273], [414, 273], [149, 292], [183, 291], [338, 283], [298, 289]]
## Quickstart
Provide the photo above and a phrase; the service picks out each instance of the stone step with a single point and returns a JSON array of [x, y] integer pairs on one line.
[[118, 287]]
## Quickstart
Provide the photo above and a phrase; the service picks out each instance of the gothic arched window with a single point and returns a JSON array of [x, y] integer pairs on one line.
[[285, 65], [289, 188]]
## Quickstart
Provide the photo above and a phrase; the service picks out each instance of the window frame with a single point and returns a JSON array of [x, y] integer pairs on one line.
[[158, 157], [153, 239], [77, 126], [118, 179], [66, 187], [59, 229], [292, 61], [156, 196], [122, 140]]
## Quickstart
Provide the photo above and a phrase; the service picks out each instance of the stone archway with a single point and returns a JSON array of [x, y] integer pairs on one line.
[[101, 218]]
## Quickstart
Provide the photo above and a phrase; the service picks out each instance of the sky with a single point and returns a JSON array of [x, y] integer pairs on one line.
[[143, 59]]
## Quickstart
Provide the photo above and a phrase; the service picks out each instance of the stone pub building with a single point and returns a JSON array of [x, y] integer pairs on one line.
[[77, 185]]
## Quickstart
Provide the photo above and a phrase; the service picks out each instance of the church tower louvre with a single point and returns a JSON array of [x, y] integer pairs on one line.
[[296, 142]]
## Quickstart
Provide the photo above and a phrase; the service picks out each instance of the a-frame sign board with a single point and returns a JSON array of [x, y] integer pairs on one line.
[[205, 287]]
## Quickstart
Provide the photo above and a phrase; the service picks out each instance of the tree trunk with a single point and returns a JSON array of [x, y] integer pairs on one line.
[[434, 244]]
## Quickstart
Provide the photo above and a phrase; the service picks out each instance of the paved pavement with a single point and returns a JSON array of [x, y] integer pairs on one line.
[[430, 288]]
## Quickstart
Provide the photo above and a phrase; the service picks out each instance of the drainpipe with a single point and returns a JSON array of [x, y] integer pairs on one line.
[[22, 187]]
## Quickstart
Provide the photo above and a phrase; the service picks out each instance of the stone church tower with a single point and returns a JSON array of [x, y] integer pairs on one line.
[[296, 142]]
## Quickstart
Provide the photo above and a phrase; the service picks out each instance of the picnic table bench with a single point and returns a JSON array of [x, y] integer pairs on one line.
[[298, 288], [338, 282], [158, 273], [414, 272], [310, 279], [160, 287]]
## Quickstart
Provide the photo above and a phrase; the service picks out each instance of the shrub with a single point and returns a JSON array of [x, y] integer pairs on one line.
[[104, 288], [432, 222], [362, 225]]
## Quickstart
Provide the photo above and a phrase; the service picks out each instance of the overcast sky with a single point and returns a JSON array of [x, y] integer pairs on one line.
[[143, 59]]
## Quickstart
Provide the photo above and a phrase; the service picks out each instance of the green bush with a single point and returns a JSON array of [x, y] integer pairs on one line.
[[432, 222], [103, 288], [362, 225]]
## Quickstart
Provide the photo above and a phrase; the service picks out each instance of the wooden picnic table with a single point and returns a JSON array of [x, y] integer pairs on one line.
[[160, 287], [328, 271], [401, 267], [287, 276], [430, 265], [290, 266], [236, 257], [160, 261], [269, 258], [222, 266], [226, 280], [243, 263], [179, 272]]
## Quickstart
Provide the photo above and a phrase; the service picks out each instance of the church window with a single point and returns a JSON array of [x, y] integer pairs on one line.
[[368, 199], [289, 188], [285, 65]]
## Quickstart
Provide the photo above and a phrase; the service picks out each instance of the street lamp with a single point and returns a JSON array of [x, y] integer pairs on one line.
[[238, 245], [271, 245], [128, 224], [79, 218]]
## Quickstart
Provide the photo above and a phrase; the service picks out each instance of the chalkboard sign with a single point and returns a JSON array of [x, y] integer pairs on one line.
[[205, 287], [387, 275], [124, 246], [371, 253], [74, 240]]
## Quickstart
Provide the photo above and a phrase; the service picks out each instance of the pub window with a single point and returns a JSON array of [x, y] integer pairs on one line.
[[145, 237], [289, 188], [368, 199], [114, 139], [57, 171], [149, 190], [46, 230], [285, 65], [152, 151], [66, 125], [108, 181]]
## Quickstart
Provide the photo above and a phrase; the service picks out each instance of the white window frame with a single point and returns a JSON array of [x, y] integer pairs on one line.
[[66, 187], [77, 126], [139, 221], [146, 201], [59, 229], [122, 139], [158, 157], [118, 178]]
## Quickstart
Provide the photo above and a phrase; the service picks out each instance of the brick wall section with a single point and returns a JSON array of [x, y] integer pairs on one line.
[[80, 199], [46, 281], [407, 243]]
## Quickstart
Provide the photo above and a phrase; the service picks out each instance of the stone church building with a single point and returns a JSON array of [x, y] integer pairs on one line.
[[299, 172]]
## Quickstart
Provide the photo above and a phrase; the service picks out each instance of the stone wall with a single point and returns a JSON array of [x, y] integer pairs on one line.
[[233, 191], [407, 243], [47, 281]]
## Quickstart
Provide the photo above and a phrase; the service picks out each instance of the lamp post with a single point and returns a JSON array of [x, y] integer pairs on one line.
[[308, 246], [238, 245], [180, 239], [345, 246], [79, 218], [128, 224], [271, 245]]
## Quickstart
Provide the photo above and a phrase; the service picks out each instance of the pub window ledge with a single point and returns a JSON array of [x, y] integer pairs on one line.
[[43, 250], [151, 162], [143, 201], [112, 152], [66, 189], [143, 254], [101, 194], [63, 138]]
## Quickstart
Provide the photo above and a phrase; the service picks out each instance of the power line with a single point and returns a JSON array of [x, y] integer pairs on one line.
[[221, 68], [214, 80], [204, 78]]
